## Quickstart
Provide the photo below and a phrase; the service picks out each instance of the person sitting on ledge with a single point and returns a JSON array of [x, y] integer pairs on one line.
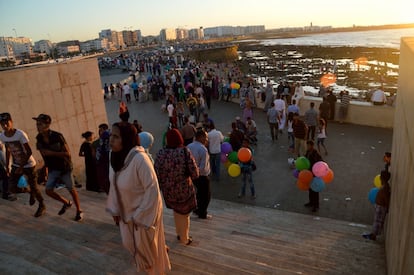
[[378, 97]]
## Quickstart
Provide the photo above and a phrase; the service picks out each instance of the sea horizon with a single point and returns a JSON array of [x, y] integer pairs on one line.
[[388, 38]]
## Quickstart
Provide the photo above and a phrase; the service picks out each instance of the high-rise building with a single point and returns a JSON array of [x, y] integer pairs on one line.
[[196, 34], [168, 34], [182, 34], [129, 39]]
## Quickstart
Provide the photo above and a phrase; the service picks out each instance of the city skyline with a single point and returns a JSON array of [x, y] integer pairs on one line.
[[83, 20]]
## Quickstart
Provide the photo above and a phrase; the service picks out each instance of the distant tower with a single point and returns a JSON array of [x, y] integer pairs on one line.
[[311, 24]]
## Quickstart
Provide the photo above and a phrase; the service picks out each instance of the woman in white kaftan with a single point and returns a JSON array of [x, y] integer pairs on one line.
[[299, 94], [135, 202]]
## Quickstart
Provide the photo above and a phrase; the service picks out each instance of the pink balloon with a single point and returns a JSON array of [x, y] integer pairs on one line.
[[320, 169]]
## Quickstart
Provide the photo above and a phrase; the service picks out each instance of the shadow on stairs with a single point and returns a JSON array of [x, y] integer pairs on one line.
[[238, 240]]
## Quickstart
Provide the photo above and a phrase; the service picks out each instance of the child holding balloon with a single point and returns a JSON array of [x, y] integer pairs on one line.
[[247, 166], [382, 202]]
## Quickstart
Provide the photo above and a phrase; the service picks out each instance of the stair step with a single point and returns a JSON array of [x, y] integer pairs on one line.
[[239, 239]]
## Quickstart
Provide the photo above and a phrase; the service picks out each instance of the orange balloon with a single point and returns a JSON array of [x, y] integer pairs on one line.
[[303, 186], [328, 79], [305, 176], [328, 177], [244, 154]]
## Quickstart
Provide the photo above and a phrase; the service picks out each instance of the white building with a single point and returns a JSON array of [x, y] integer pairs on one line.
[[43, 46], [15, 46], [65, 50], [230, 30], [6, 49], [94, 45]]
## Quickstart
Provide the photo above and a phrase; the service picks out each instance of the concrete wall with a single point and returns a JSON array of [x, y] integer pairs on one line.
[[400, 224], [361, 113], [69, 92]]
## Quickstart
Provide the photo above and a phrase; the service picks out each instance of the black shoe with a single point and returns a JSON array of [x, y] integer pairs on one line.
[[10, 198], [79, 216], [32, 200], [369, 236], [308, 204], [40, 211], [65, 207], [314, 209]]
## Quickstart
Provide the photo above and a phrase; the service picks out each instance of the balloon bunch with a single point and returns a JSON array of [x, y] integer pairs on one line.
[[231, 158], [316, 179], [372, 194], [234, 87]]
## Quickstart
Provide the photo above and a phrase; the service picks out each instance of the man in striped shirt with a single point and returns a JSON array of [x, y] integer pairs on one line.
[[343, 107]]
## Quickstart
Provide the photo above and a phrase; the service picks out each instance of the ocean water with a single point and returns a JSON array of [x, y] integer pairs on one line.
[[379, 38]]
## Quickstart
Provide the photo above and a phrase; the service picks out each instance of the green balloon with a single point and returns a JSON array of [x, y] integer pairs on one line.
[[226, 139], [232, 157], [302, 163]]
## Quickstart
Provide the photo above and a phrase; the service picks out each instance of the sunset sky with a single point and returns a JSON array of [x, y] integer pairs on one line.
[[84, 19]]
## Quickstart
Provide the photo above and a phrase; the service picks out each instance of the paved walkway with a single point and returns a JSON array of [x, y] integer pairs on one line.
[[355, 156]]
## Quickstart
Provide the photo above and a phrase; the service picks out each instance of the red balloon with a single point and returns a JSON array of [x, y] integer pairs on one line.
[[305, 176], [244, 154], [303, 186]]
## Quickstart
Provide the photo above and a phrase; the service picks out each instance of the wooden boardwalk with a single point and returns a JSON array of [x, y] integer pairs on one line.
[[238, 240]]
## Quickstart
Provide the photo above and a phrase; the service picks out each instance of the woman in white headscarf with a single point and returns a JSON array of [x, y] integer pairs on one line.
[[134, 201]]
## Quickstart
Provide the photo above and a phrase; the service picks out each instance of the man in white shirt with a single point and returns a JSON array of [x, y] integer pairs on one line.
[[215, 138], [127, 92], [378, 97]]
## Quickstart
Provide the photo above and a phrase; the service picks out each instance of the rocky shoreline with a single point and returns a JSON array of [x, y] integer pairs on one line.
[[378, 66]]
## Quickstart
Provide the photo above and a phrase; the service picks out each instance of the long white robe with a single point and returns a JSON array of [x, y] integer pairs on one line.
[[142, 207]]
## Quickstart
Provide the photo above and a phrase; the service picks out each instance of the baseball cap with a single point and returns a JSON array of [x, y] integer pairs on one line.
[[43, 118], [5, 117]]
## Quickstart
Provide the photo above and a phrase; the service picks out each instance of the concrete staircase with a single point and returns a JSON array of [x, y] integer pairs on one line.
[[238, 240]]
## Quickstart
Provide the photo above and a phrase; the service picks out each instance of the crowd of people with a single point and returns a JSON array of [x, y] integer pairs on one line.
[[116, 162]]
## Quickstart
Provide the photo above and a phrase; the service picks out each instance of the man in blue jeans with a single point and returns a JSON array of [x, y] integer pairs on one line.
[[55, 153]]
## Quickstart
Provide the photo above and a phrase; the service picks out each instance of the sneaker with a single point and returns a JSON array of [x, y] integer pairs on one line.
[[79, 216], [206, 217], [308, 204], [59, 186], [32, 200], [40, 211], [65, 207], [240, 195], [253, 197]]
